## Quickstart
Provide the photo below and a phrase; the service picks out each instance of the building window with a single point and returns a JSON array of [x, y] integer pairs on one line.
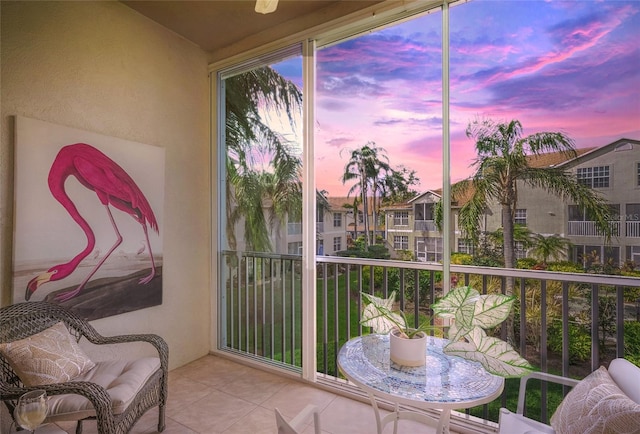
[[632, 212], [320, 247], [594, 177], [638, 174], [423, 211], [434, 249], [520, 217], [295, 248], [401, 218], [337, 244], [465, 246], [401, 242], [595, 255], [633, 255], [577, 214], [337, 220], [521, 251], [360, 217]]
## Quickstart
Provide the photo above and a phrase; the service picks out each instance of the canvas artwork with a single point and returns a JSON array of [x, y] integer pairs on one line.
[[88, 220]]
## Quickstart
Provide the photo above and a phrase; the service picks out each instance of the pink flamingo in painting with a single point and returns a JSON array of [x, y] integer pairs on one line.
[[114, 187]]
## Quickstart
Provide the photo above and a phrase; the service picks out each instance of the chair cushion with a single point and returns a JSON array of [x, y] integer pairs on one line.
[[596, 405], [511, 423], [122, 379], [51, 356], [627, 377]]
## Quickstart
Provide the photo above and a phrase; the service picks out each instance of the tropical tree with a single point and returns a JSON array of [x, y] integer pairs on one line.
[[262, 169], [521, 235], [550, 246], [396, 185], [367, 166], [354, 207], [502, 166]]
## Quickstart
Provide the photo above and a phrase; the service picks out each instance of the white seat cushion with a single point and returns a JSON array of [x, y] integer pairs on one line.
[[121, 378], [512, 423]]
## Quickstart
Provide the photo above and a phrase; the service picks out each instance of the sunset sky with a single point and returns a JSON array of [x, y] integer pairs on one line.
[[571, 66]]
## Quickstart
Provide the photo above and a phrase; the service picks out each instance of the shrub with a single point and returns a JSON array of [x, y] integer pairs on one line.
[[632, 341], [566, 267], [579, 342], [526, 263], [461, 259]]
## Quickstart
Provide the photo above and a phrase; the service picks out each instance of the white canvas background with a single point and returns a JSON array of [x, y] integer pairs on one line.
[[44, 232]]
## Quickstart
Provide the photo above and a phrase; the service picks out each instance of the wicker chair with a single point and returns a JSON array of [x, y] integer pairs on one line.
[[22, 320]]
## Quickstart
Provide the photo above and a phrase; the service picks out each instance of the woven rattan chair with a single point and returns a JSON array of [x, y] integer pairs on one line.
[[22, 320]]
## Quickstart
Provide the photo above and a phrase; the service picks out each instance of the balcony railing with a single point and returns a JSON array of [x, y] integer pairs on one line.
[[589, 229], [424, 226], [569, 323], [632, 229]]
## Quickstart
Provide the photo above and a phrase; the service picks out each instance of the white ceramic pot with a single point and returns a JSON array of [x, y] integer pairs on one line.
[[408, 352]]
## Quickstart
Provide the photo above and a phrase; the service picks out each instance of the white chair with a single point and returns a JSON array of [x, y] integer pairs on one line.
[[297, 424], [623, 373]]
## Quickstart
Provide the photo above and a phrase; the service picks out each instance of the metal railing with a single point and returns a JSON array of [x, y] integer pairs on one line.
[[424, 226], [260, 306], [565, 323], [589, 228], [632, 229]]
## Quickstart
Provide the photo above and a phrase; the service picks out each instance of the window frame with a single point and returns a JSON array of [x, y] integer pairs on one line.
[[399, 218], [401, 242], [337, 218], [594, 176], [337, 244]]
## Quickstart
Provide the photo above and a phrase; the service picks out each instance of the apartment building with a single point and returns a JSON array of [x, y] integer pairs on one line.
[[613, 170]]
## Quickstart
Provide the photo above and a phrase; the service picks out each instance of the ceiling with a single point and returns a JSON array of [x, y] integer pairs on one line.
[[226, 27]]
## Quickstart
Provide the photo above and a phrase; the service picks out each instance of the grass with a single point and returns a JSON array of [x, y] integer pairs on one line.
[[262, 325]]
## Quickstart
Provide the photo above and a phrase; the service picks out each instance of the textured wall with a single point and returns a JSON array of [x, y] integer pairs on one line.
[[101, 67]]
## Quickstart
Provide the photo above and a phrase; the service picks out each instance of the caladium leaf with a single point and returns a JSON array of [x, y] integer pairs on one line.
[[458, 303], [490, 310], [495, 355], [379, 316]]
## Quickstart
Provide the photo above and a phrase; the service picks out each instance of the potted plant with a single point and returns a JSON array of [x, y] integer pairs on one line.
[[408, 346], [470, 314]]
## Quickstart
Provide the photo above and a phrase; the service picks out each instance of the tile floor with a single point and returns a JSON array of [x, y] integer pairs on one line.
[[214, 395]]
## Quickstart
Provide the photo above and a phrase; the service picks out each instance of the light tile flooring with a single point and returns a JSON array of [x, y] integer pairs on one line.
[[214, 395]]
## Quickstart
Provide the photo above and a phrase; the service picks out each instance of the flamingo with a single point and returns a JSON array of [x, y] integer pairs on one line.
[[114, 187]]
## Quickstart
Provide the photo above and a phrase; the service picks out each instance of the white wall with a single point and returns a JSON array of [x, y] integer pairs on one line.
[[101, 67]]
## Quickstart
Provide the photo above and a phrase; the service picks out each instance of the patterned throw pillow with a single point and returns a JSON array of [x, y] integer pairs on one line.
[[596, 405], [51, 356]]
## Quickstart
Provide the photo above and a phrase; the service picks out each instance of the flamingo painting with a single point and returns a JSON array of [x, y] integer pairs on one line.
[[114, 188]]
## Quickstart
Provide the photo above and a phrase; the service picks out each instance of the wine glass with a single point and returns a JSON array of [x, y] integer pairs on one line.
[[31, 409]]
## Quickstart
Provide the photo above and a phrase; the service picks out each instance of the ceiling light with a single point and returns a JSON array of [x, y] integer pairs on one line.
[[266, 6]]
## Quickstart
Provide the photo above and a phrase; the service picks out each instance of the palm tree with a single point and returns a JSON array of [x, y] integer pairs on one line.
[[263, 173], [502, 166], [521, 236], [396, 185], [550, 246], [367, 165], [356, 216]]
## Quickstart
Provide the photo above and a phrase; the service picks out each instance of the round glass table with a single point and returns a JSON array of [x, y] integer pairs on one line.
[[444, 382]]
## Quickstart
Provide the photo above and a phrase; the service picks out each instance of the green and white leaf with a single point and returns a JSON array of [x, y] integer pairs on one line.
[[495, 355], [379, 316], [490, 310], [456, 333], [458, 303]]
